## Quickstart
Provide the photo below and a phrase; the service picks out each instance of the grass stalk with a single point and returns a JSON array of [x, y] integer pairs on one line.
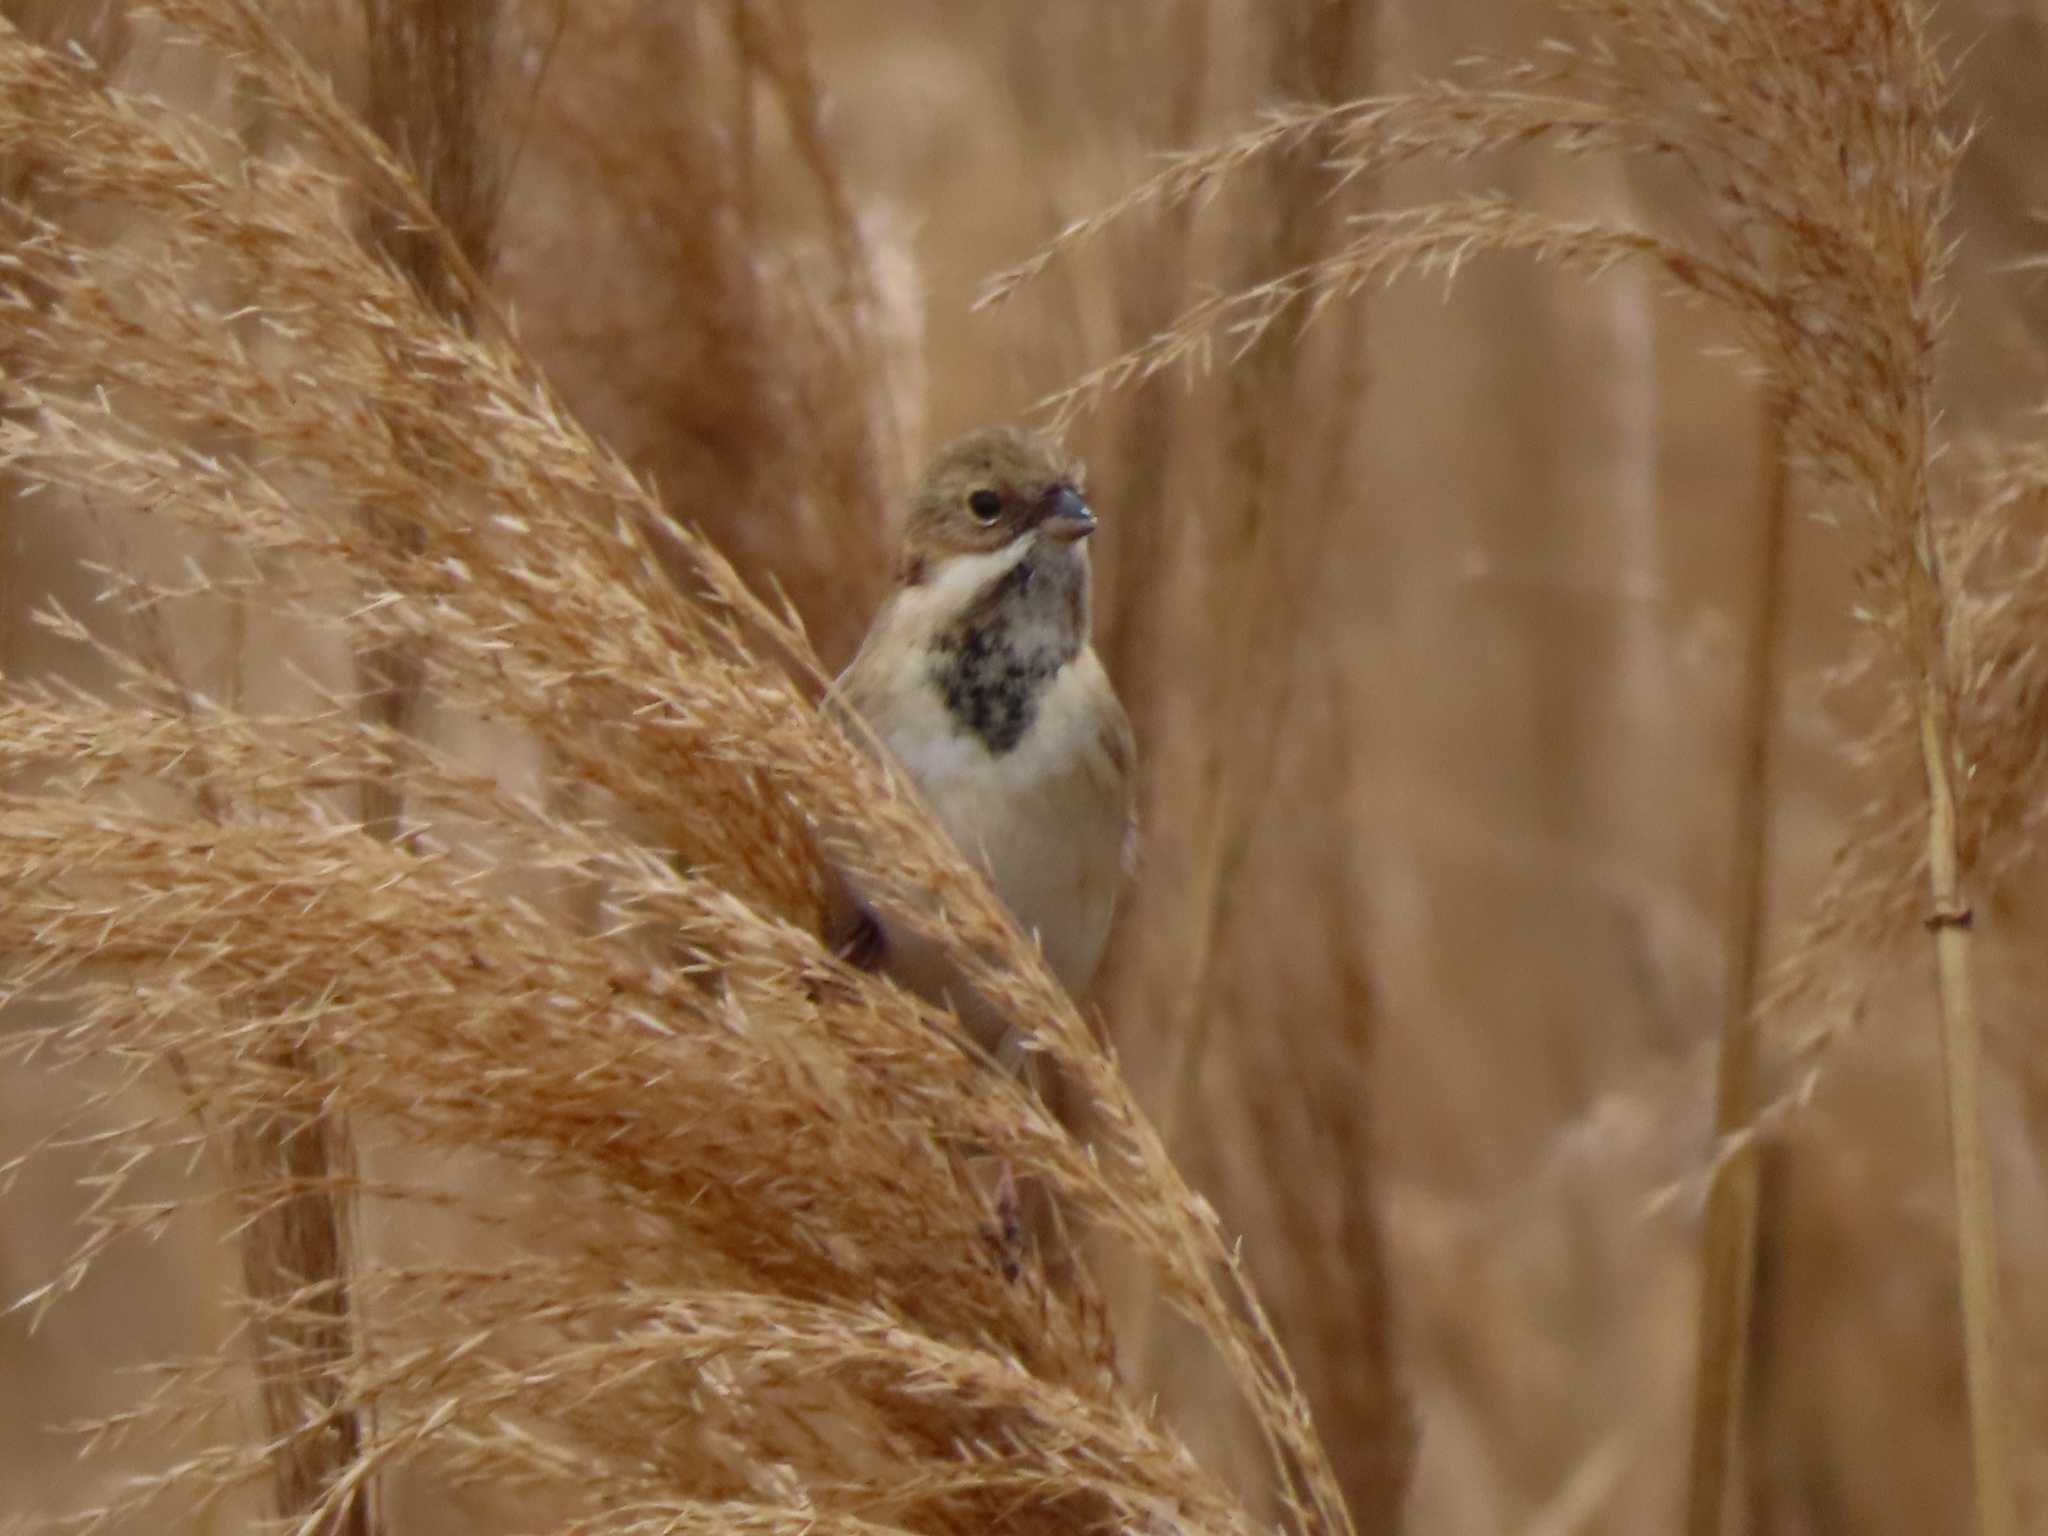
[[427, 90], [296, 1268], [429, 96], [1961, 1050], [1728, 1244], [1327, 57]]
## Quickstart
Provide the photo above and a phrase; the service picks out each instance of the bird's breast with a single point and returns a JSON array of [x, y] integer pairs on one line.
[[1046, 815], [980, 681], [994, 663]]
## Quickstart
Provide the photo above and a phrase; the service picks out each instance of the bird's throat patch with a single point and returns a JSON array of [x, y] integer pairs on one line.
[[994, 664]]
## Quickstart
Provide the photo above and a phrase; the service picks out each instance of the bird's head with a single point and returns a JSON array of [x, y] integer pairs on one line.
[[993, 489]]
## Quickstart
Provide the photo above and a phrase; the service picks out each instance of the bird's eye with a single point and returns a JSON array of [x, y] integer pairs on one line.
[[985, 505]]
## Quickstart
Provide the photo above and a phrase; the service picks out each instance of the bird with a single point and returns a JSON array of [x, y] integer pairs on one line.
[[978, 676]]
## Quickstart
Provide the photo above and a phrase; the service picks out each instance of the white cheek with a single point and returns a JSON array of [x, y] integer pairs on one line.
[[960, 579]]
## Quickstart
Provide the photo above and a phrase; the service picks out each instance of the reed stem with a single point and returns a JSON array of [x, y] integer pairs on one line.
[[1962, 1057], [1728, 1244]]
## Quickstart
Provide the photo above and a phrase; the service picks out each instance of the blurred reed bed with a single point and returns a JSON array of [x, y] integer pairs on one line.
[[688, 261], [1804, 161]]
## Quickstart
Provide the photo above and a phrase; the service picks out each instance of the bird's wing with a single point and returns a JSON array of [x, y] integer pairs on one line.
[[1119, 749], [867, 696]]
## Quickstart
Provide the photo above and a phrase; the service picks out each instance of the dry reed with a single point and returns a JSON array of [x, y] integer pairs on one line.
[[1810, 135], [1729, 1240], [778, 1293], [671, 263], [753, 350], [1218, 597]]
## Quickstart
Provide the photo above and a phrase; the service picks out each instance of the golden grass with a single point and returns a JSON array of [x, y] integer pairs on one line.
[[778, 1230], [439, 794]]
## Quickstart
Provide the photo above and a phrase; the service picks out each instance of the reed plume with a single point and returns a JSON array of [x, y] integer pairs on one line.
[[777, 1283]]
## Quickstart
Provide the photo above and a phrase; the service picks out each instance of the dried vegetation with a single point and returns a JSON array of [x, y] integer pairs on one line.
[[413, 818], [603, 971]]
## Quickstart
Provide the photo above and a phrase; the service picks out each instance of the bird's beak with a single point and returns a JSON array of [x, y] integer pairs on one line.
[[1067, 517]]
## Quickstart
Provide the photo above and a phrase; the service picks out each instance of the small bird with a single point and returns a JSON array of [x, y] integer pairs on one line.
[[979, 676]]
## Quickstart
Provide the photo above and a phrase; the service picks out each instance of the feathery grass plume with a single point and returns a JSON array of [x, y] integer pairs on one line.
[[1811, 132], [1993, 550], [427, 82], [776, 1291]]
